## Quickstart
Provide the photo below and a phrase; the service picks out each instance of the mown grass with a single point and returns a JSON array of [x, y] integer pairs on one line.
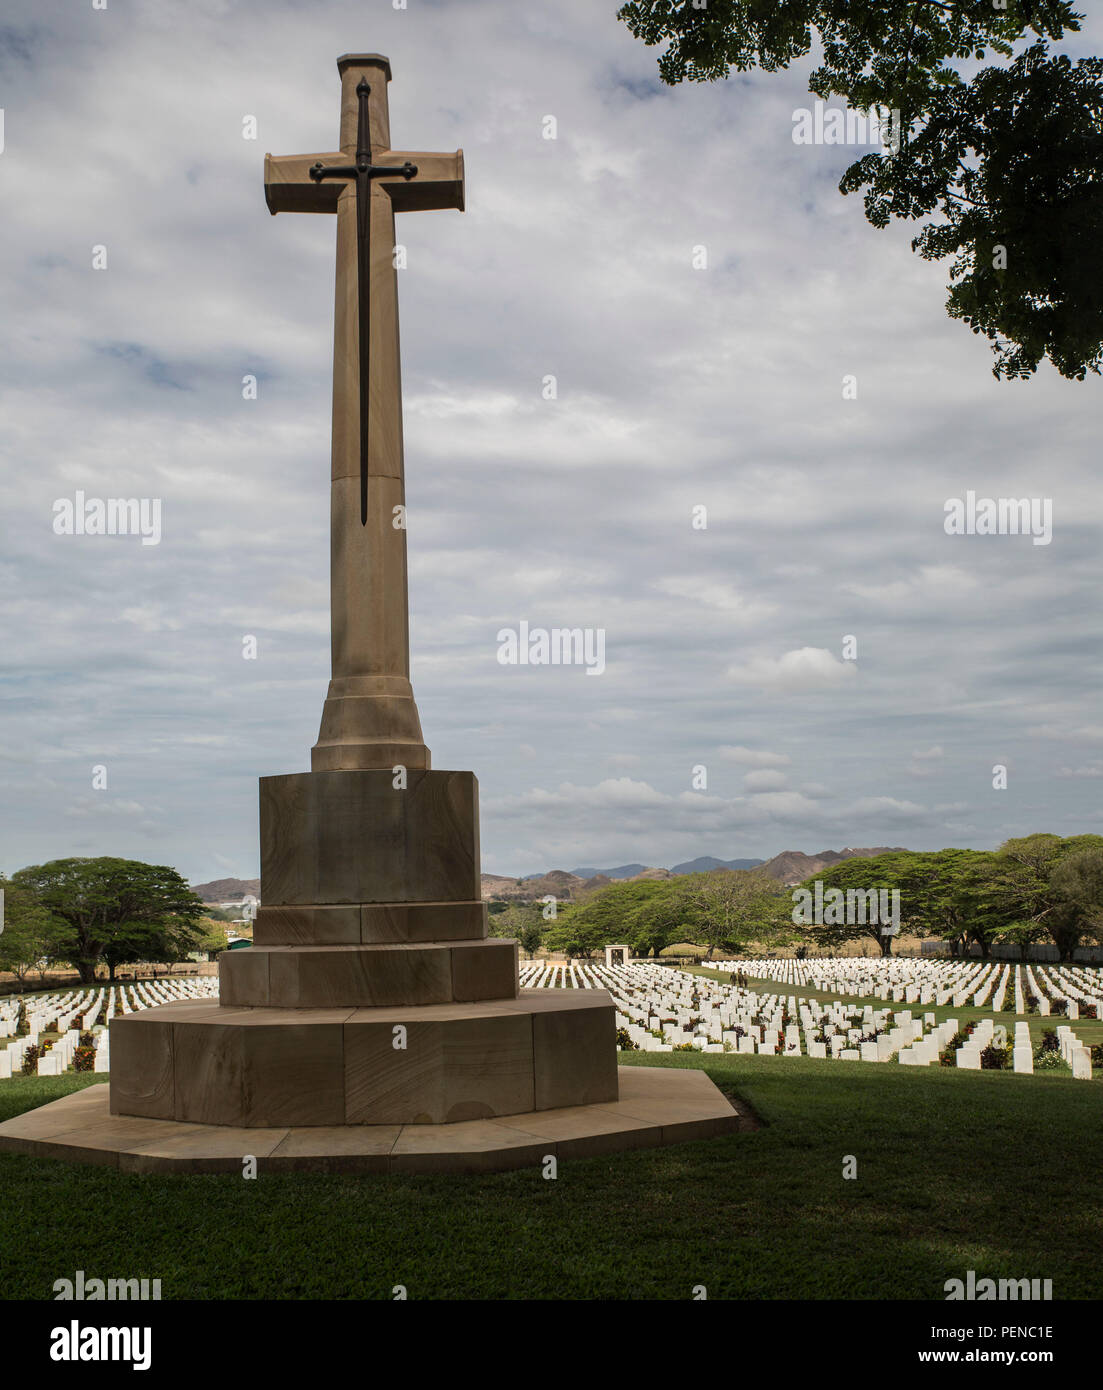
[[955, 1171]]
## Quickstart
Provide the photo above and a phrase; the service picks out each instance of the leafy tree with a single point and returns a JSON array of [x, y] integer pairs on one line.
[[522, 921], [31, 938], [214, 937], [1078, 881], [886, 871], [732, 907], [602, 917], [114, 910], [1049, 881], [668, 913], [1011, 159], [942, 893], [220, 914]]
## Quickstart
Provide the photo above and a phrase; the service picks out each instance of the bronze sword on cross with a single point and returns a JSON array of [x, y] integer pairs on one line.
[[363, 171]]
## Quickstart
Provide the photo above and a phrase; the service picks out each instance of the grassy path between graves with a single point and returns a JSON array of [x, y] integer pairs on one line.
[[1088, 1030], [955, 1171]]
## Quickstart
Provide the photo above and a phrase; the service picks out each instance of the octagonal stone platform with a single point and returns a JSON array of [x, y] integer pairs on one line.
[[430, 1064], [656, 1106]]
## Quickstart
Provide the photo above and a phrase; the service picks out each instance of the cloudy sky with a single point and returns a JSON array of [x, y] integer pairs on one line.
[[678, 388]]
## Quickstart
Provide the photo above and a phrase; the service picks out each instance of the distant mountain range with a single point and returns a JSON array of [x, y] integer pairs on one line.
[[793, 866], [692, 866], [789, 867]]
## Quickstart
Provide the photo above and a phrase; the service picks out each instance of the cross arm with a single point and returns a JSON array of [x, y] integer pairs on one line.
[[439, 182], [288, 186]]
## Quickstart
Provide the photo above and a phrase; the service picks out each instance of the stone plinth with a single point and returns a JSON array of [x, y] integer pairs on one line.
[[329, 838], [372, 993], [322, 977], [430, 1064]]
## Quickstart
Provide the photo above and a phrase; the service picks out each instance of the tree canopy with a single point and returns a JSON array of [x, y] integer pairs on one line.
[[1038, 886], [1009, 160], [724, 910], [114, 911]]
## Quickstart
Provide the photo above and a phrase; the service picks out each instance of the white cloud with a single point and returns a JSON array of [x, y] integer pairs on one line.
[[804, 670]]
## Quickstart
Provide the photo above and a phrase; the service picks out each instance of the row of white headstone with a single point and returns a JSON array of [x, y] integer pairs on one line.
[[661, 1009], [72, 1012], [939, 982]]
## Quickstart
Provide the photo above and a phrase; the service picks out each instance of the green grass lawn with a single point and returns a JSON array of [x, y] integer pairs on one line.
[[956, 1171]]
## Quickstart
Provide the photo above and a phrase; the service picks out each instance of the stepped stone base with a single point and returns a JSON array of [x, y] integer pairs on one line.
[[430, 1064], [657, 1106], [410, 973], [369, 924]]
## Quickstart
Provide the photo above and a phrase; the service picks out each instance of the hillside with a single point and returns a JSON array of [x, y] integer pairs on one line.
[[624, 871], [793, 866], [707, 863], [224, 890], [556, 883]]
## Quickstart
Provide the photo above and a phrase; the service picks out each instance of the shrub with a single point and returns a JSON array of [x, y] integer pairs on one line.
[[30, 1061], [1089, 1011], [993, 1058], [624, 1042], [1060, 1007], [84, 1058], [1050, 1041], [1045, 1060]]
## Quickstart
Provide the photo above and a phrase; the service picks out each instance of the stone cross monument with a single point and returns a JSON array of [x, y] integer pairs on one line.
[[373, 1024], [371, 914], [370, 719]]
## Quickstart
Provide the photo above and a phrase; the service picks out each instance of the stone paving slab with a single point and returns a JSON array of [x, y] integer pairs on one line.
[[657, 1106]]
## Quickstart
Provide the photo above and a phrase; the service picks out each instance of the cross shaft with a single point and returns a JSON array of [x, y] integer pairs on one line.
[[363, 171], [370, 719]]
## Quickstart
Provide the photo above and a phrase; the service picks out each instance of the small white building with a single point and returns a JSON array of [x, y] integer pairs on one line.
[[618, 955]]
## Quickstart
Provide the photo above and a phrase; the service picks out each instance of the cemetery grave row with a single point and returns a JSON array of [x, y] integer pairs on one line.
[[661, 1010], [42, 1035], [1071, 991]]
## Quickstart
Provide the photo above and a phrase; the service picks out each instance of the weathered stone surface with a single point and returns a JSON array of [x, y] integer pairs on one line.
[[370, 923], [352, 837], [398, 1064]]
